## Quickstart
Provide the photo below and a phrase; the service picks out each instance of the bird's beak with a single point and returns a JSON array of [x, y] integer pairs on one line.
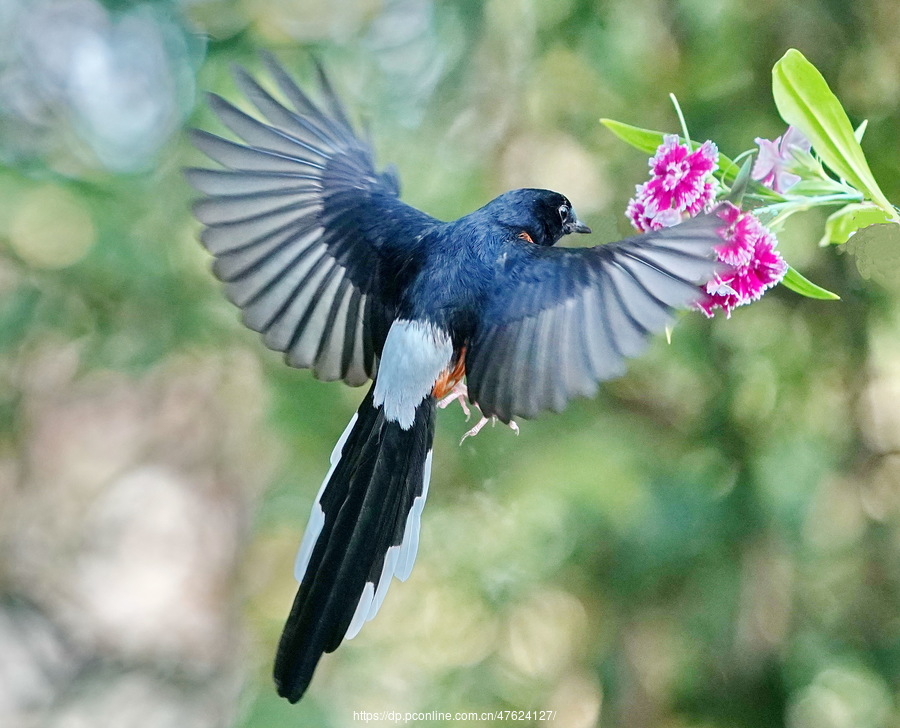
[[576, 226]]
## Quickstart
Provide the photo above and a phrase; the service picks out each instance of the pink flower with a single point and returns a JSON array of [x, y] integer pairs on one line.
[[776, 157], [704, 199], [755, 265], [680, 184], [738, 235], [642, 219]]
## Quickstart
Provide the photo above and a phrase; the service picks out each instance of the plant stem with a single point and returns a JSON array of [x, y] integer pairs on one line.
[[805, 203], [684, 130]]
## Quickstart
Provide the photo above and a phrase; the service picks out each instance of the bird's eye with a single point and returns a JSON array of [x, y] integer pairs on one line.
[[564, 213]]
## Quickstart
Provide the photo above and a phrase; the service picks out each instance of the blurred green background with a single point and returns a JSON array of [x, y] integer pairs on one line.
[[714, 541]]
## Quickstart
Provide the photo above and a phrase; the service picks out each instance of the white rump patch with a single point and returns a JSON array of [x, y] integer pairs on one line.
[[398, 561], [414, 355], [317, 515]]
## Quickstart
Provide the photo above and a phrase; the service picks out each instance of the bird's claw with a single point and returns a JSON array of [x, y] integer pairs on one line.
[[460, 393], [482, 422]]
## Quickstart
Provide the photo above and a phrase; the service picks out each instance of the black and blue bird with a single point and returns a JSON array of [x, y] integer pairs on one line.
[[316, 248]]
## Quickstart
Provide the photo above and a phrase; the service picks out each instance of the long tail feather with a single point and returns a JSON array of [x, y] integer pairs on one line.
[[362, 532]]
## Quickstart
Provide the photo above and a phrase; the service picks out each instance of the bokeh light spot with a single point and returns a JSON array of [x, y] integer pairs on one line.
[[51, 228]]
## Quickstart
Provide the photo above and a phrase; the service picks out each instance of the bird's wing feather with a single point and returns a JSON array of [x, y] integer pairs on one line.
[[308, 238], [562, 319]]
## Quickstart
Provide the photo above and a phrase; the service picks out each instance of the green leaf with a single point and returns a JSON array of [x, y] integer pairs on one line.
[[741, 182], [842, 224], [647, 141], [798, 284], [818, 187], [642, 139], [804, 100]]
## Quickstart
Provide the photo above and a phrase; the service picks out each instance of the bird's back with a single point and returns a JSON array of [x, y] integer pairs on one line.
[[456, 271]]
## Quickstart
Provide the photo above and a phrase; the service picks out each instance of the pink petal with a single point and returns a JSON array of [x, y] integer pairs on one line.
[[666, 218], [766, 161], [705, 159], [636, 211], [784, 180], [775, 157], [793, 138], [705, 199], [667, 153], [739, 235], [720, 294]]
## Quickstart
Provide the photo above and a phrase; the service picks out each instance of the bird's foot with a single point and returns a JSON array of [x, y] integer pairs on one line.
[[460, 393], [482, 422]]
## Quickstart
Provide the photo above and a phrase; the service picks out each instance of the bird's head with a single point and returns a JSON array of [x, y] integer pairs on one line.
[[541, 217]]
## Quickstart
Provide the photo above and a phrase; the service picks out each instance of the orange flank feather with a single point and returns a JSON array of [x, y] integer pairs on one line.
[[449, 378]]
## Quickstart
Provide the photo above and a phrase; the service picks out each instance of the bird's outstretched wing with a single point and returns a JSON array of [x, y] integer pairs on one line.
[[562, 319], [308, 238]]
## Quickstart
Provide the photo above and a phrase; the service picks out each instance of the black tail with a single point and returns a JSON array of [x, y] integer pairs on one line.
[[363, 531]]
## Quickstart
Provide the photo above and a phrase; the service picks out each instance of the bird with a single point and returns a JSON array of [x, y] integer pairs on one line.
[[315, 247]]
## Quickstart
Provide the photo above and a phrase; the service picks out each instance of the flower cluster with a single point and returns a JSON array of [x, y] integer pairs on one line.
[[754, 264], [681, 185], [818, 161]]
